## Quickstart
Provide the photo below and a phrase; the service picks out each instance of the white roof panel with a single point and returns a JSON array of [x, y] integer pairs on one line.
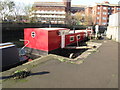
[[54, 28], [6, 45]]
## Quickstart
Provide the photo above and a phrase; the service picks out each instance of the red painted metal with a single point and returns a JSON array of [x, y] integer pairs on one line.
[[54, 40], [40, 41], [82, 35]]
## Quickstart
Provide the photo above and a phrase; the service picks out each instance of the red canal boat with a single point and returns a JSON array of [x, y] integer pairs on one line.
[[46, 40]]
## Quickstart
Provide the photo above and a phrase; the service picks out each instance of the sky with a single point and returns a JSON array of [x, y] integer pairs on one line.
[[74, 2]]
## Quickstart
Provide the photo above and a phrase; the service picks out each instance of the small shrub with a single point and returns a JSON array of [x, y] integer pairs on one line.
[[19, 74]]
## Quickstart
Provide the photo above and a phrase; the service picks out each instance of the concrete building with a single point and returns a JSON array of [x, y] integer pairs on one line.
[[101, 12], [51, 12], [113, 30]]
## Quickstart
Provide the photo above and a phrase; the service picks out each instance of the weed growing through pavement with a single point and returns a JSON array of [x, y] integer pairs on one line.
[[19, 74]]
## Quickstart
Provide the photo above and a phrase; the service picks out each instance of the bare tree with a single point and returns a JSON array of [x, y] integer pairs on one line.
[[6, 8], [18, 10], [79, 16], [28, 11], [88, 20], [22, 11], [70, 20], [83, 19]]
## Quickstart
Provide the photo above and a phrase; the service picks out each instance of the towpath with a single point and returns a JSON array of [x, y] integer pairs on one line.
[[100, 70]]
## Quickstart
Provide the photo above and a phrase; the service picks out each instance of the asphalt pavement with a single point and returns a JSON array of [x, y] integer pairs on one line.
[[100, 70]]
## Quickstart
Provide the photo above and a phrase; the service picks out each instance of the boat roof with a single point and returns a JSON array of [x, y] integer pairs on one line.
[[6, 45], [50, 29], [77, 31]]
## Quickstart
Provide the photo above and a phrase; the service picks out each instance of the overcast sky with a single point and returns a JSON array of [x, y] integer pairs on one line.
[[74, 2]]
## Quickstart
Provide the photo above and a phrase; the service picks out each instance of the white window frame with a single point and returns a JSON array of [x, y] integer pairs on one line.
[[72, 37]]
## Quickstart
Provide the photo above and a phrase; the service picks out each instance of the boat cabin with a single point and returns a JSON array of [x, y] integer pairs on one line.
[[48, 39]]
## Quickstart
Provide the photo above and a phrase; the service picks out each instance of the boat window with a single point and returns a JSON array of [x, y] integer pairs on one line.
[[71, 38], [33, 34], [78, 36]]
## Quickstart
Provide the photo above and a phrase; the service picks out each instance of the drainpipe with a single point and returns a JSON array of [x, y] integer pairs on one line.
[[77, 41]]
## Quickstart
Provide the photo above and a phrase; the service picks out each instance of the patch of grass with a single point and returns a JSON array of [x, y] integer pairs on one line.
[[72, 62], [95, 51], [62, 59], [4, 80], [80, 62], [19, 74], [0, 81]]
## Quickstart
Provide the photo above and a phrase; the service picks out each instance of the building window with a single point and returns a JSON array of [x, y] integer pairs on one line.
[[97, 17], [78, 37], [109, 13], [104, 18], [104, 8], [118, 8], [109, 8], [98, 13], [98, 7], [104, 13], [112, 8], [71, 38], [104, 23], [97, 22]]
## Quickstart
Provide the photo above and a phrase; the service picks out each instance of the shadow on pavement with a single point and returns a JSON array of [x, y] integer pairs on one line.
[[38, 73]]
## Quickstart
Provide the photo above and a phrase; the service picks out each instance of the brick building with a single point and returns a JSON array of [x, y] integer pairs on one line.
[[51, 12], [101, 11]]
